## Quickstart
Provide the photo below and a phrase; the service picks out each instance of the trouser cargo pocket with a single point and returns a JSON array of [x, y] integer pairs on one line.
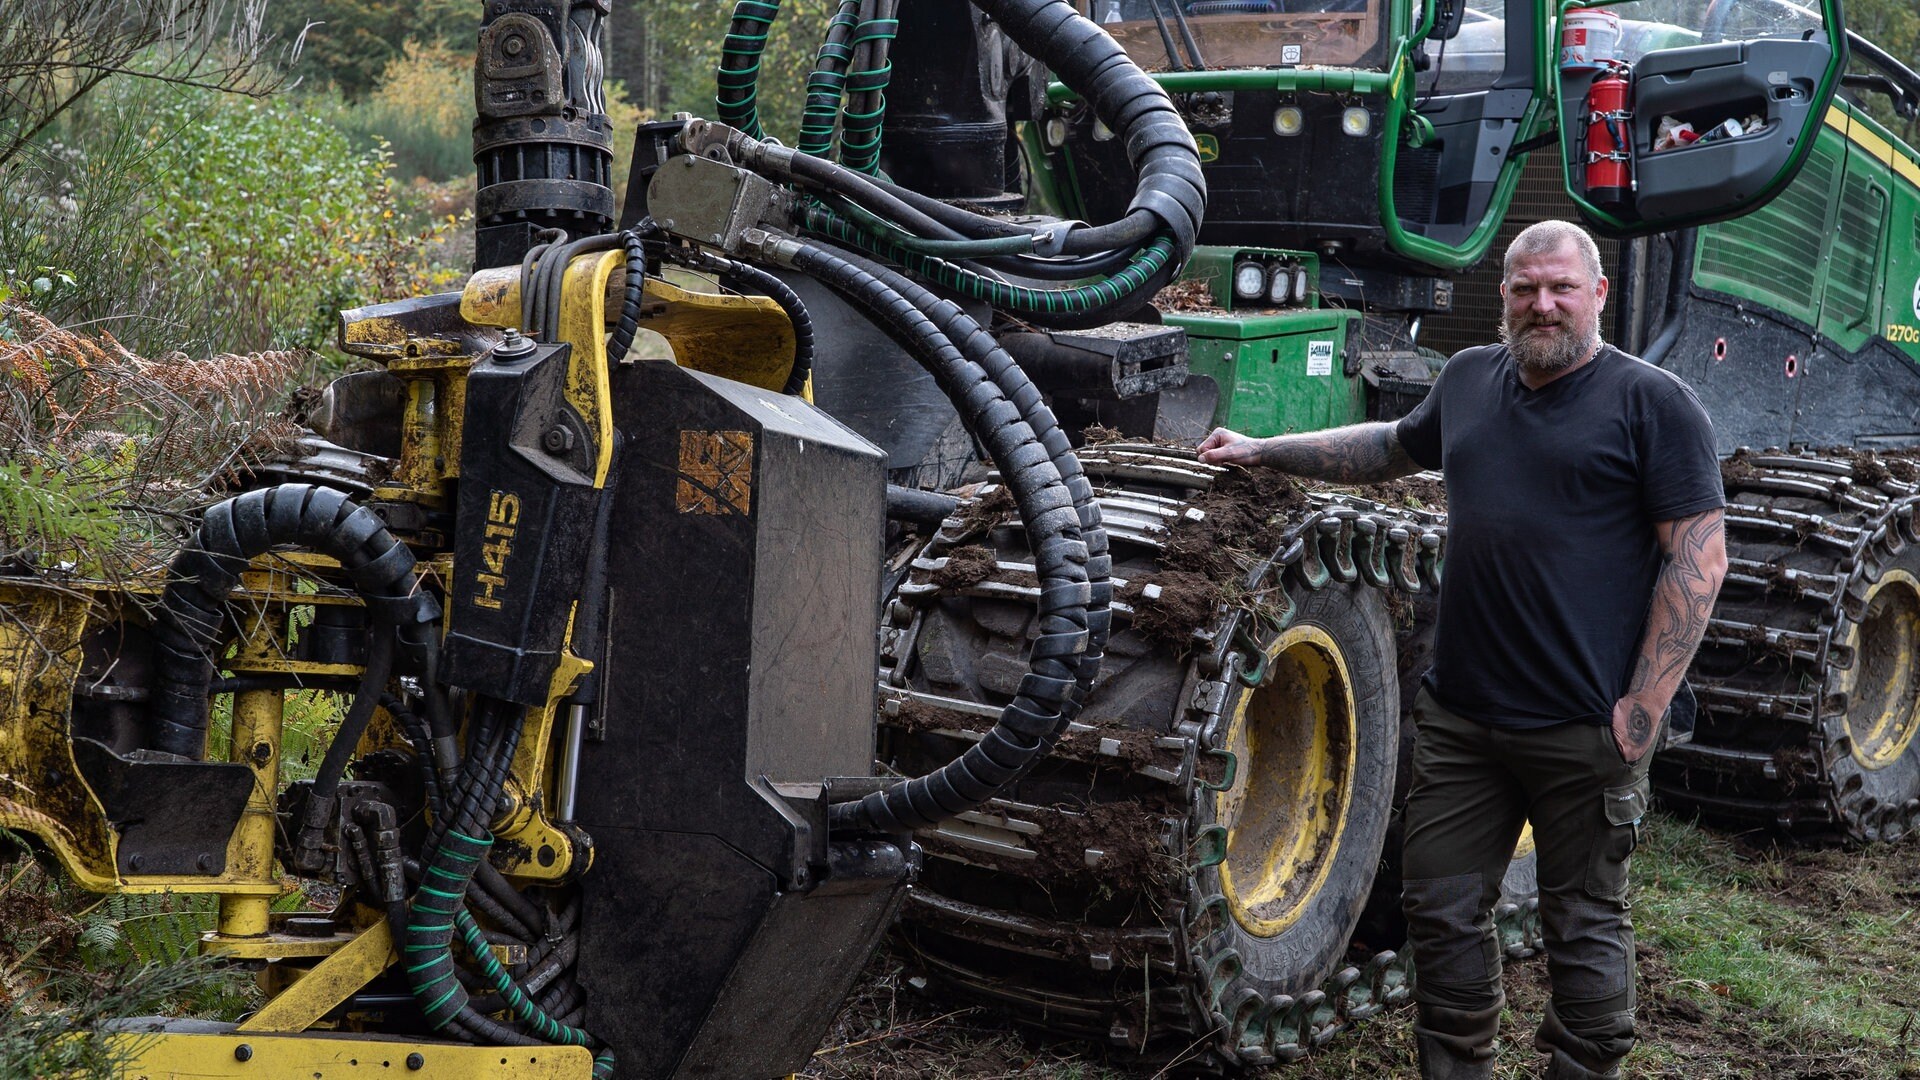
[[1625, 805]]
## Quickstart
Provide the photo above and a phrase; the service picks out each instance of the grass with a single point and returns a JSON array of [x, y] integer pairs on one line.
[[1756, 962]]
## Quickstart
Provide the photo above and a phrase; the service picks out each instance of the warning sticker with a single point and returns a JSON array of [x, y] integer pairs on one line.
[[716, 473], [1319, 357]]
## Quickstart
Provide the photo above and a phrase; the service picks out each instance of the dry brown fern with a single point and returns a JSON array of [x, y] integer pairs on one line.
[[97, 429]]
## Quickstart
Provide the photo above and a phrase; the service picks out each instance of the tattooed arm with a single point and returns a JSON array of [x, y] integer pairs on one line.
[[1694, 550], [1355, 454]]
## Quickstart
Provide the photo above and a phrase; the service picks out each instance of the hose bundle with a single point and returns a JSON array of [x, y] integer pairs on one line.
[[202, 576], [1003, 410]]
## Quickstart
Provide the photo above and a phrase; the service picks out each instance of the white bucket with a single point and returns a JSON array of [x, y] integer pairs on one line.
[[1589, 39]]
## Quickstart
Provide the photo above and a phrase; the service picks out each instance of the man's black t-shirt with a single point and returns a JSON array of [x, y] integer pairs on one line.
[[1551, 556]]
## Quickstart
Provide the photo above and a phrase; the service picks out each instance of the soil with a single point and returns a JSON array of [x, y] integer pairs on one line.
[[1187, 600], [1247, 514], [1875, 466], [1412, 492], [987, 512], [966, 566]]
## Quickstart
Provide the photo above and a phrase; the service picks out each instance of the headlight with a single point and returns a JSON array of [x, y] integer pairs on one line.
[[1287, 120], [1249, 280], [1056, 132], [1356, 121], [1299, 284], [1280, 285]]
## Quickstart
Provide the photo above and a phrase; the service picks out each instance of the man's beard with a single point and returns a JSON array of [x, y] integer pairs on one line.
[[1552, 354]]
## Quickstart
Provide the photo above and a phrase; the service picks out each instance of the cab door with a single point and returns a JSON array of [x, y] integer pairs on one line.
[[1681, 112]]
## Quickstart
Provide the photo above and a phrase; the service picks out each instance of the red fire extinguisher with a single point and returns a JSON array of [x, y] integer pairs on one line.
[[1609, 176]]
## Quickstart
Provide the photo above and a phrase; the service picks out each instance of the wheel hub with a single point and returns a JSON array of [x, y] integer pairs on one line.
[[1884, 713], [1285, 816]]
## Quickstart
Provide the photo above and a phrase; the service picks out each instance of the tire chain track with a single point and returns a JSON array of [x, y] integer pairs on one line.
[[1340, 538], [1809, 535]]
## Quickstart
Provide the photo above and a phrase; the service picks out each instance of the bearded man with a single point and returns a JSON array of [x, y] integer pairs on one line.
[[1584, 551]]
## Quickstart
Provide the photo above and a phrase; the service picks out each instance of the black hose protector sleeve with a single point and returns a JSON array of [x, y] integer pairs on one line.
[[1087, 59], [980, 347], [758, 280], [201, 577], [308, 853], [630, 304], [1046, 509]]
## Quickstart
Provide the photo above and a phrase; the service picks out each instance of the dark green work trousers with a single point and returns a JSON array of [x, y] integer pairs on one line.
[[1473, 789]]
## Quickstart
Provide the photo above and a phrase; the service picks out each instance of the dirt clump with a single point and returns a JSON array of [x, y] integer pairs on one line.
[[983, 514], [1877, 466], [1186, 600], [1413, 492], [966, 567], [1246, 518], [1126, 835]]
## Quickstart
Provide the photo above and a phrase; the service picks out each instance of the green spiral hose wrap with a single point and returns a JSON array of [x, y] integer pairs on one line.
[[1152, 259], [827, 82], [739, 76], [866, 99]]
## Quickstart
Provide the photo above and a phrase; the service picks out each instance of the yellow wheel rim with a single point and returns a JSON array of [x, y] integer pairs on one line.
[[1525, 847], [1884, 689], [1287, 810]]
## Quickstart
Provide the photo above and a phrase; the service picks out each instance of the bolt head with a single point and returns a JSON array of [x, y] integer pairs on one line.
[[558, 439], [416, 1062], [243, 1052]]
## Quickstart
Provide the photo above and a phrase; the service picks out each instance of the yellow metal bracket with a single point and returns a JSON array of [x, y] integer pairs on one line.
[[329, 983], [254, 1056]]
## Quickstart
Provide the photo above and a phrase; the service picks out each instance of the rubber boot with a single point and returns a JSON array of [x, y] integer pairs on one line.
[[1562, 1067], [1577, 1058], [1439, 1061], [1456, 1044]]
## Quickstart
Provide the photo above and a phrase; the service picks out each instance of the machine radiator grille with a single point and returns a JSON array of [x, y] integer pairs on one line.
[[1773, 253]]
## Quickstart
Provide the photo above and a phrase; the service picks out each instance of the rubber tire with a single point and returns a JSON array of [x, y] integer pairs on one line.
[[1301, 957]]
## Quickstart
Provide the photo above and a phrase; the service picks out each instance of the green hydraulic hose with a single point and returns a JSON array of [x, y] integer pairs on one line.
[[886, 231], [1148, 260], [827, 83], [866, 105], [739, 74], [536, 1018]]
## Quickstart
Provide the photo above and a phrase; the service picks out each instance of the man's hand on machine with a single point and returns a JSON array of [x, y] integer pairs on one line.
[[1225, 447]]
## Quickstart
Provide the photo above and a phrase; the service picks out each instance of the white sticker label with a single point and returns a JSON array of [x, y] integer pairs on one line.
[[1319, 357], [1289, 54], [1916, 299]]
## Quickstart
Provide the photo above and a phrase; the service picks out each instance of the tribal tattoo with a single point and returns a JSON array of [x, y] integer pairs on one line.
[[1356, 454], [1695, 556]]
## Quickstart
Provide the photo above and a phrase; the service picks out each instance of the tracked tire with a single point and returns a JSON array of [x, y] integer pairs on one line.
[[1182, 876], [1809, 678]]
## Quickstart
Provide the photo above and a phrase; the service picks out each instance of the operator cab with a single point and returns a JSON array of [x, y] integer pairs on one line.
[[1379, 131]]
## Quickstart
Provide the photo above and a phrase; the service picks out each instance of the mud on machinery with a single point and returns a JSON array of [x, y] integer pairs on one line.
[[607, 624]]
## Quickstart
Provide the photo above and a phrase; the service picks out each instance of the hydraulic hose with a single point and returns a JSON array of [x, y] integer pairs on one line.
[[981, 348], [865, 108], [1150, 268], [746, 277], [739, 75], [202, 576], [1038, 710], [827, 82], [1163, 154]]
